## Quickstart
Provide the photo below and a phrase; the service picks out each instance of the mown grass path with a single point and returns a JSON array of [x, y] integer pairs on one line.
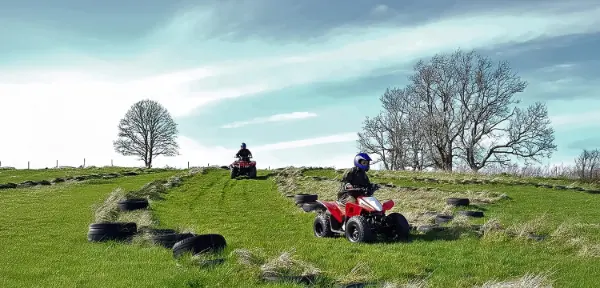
[[253, 214]]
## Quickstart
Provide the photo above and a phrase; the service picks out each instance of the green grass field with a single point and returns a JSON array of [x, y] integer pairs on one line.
[[16, 176], [43, 235]]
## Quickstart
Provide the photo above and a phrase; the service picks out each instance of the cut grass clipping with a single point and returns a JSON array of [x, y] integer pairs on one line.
[[285, 265], [419, 205], [108, 211]]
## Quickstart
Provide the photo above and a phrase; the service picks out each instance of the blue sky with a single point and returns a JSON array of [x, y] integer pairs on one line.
[[293, 79]]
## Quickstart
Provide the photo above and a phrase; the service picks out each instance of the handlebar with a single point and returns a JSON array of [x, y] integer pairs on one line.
[[373, 188]]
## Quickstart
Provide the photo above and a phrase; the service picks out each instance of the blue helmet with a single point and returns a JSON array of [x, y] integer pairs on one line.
[[362, 157], [243, 145]]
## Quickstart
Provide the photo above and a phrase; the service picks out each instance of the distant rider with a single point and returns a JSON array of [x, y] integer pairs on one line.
[[244, 153], [356, 177]]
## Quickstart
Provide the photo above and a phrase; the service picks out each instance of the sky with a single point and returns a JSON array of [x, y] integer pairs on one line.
[[292, 79]]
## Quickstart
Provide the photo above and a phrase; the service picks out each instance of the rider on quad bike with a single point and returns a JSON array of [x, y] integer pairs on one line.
[[243, 166], [244, 153], [357, 214], [354, 178]]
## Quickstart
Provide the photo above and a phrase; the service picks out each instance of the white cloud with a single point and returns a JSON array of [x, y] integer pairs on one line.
[[72, 112], [272, 118], [337, 138], [579, 119], [380, 9]]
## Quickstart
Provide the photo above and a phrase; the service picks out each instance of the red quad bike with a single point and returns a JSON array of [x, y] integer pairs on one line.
[[243, 166], [360, 222]]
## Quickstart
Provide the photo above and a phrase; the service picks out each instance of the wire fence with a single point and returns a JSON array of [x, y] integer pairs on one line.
[[84, 164]]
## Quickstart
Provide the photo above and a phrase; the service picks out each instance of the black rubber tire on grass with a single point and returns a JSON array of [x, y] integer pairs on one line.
[[397, 227], [133, 204], [8, 186], [309, 207], [359, 230], [458, 201], [45, 183], [322, 226], [27, 184], [199, 244], [118, 231], [476, 214], [168, 237], [233, 173], [440, 219], [305, 198]]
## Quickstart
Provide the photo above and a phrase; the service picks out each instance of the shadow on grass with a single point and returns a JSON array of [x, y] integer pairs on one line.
[[445, 234], [261, 177]]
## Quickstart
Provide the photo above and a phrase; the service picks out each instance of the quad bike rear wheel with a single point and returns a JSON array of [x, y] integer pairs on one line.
[[358, 230], [322, 226], [396, 226]]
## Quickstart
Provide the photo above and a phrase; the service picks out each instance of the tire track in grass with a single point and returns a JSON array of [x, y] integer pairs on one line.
[[253, 214]]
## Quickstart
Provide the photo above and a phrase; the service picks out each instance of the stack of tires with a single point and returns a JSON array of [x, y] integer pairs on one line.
[[180, 243]]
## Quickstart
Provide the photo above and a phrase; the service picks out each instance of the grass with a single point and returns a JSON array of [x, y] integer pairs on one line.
[[20, 175], [42, 235], [43, 240]]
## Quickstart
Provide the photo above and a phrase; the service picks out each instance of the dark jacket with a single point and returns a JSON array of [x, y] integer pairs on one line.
[[355, 177], [244, 153]]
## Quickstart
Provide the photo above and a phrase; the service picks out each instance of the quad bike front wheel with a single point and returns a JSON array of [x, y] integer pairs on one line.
[[396, 226], [233, 172], [252, 172], [358, 229], [322, 226]]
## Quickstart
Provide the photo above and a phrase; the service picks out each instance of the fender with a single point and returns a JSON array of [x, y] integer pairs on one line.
[[353, 209], [387, 205], [333, 209]]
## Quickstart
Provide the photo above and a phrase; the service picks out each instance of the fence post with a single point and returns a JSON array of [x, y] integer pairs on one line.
[[188, 164], [111, 163], [208, 165], [27, 165], [56, 163], [83, 162]]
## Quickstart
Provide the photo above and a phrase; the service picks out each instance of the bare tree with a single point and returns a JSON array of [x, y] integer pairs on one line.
[[434, 91], [587, 164], [392, 134], [493, 127], [373, 140], [459, 106], [147, 131]]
